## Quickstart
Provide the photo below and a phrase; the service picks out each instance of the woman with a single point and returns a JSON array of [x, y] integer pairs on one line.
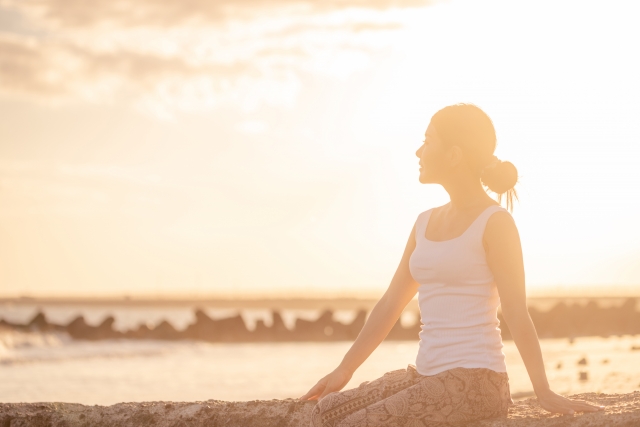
[[464, 259]]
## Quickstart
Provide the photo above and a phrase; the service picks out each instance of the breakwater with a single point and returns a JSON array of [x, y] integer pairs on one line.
[[561, 320]]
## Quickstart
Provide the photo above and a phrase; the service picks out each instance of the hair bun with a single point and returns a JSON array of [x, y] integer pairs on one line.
[[501, 177]]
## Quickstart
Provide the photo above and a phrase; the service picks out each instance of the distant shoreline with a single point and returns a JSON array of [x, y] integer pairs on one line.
[[277, 303]]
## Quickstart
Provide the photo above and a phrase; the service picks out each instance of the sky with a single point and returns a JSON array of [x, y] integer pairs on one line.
[[254, 148]]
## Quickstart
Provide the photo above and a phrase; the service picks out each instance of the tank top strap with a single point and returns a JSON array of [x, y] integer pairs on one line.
[[421, 223], [479, 225]]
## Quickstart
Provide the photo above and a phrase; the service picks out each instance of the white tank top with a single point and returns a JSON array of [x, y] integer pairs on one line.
[[458, 300]]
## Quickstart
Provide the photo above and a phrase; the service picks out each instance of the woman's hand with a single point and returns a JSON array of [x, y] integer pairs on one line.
[[553, 402], [335, 381]]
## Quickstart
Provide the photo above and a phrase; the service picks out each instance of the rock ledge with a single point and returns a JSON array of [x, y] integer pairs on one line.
[[621, 410]]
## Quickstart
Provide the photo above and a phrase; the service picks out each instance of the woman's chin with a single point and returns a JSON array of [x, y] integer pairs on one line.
[[424, 179]]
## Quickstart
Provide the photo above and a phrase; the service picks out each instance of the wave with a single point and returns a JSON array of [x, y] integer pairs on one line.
[[14, 339], [20, 347]]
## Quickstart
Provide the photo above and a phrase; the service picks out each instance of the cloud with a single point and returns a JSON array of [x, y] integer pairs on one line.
[[56, 72], [65, 13], [163, 58], [58, 69]]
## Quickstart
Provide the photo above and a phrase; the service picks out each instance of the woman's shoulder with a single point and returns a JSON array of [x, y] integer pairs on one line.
[[426, 213], [499, 221], [498, 211], [433, 209]]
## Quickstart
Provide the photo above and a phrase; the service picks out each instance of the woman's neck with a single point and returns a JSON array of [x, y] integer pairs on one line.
[[466, 195]]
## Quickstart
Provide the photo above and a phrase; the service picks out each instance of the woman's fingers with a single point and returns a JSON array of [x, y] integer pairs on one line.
[[567, 406], [328, 389], [561, 408], [583, 406], [332, 382], [314, 392]]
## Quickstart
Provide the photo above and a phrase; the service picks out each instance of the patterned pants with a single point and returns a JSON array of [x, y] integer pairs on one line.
[[406, 398]]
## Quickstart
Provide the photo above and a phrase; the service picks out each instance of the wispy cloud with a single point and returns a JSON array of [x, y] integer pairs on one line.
[[56, 72], [66, 13], [166, 57]]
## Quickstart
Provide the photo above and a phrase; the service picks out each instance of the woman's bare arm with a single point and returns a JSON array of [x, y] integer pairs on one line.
[[504, 256], [377, 327]]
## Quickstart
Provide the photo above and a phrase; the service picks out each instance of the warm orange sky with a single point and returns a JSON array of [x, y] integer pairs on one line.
[[267, 147]]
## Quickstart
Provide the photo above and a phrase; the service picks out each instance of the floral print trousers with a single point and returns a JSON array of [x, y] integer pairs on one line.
[[405, 398]]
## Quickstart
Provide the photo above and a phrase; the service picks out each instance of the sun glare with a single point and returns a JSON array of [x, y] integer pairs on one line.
[[288, 137]]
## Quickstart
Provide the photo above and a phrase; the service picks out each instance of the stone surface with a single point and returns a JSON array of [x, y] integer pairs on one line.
[[621, 410]]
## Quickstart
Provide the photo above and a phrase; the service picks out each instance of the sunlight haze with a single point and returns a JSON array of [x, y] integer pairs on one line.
[[268, 148]]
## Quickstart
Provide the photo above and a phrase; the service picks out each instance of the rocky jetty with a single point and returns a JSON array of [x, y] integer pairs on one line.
[[621, 410], [576, 320], [561, 321]]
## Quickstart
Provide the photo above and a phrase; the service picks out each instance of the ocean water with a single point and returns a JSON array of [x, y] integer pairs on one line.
[[52, 367]]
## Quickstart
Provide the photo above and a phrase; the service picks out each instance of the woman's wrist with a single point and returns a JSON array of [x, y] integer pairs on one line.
[[346, 368], [542, 390]]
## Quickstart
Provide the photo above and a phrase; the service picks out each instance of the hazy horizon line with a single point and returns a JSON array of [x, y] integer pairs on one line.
[[557, 291]]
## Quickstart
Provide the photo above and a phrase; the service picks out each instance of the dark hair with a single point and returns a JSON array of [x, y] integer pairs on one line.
[[468, 127]]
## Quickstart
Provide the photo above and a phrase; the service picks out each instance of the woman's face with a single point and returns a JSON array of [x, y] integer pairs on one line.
[[432, 157]]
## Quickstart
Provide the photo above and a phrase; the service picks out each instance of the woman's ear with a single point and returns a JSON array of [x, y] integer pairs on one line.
[[456, 156]]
